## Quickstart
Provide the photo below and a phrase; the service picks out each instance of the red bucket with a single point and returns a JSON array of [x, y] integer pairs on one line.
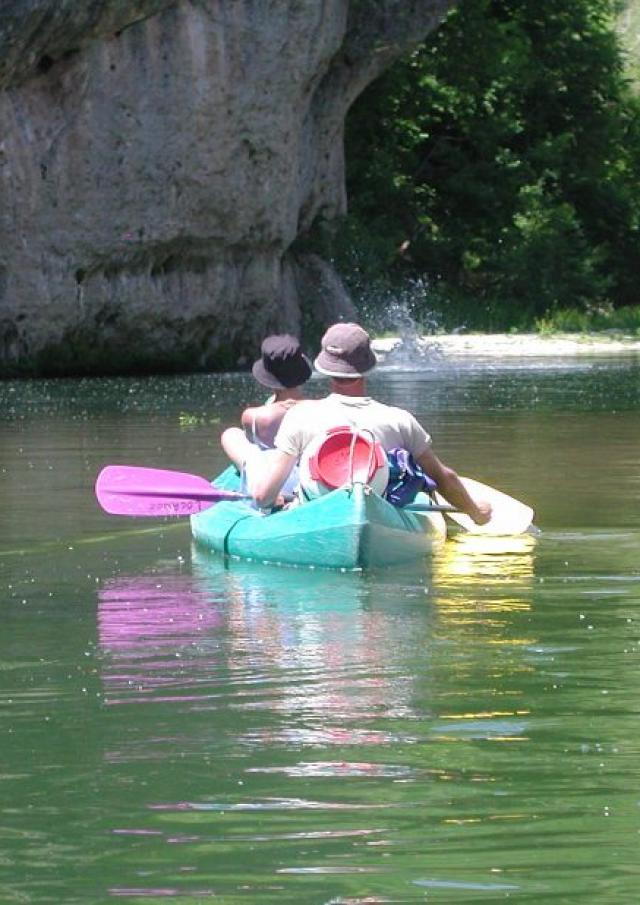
[[345, 456]]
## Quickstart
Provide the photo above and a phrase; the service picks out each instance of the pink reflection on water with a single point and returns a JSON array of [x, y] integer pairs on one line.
[[133, 612], [269, 804], [153, 628]]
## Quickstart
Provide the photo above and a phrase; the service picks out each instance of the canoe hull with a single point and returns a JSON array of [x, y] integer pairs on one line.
[[346, 529]]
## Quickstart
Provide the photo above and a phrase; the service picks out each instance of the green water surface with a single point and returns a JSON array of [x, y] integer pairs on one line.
[[176, 727]]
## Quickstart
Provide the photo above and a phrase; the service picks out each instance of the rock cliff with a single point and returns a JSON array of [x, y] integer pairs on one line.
[[158, 158]]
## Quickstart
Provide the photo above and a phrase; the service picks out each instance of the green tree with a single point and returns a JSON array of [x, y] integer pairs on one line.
[[502, 160]]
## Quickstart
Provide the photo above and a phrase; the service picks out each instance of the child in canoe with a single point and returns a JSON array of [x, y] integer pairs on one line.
[[284, 369]]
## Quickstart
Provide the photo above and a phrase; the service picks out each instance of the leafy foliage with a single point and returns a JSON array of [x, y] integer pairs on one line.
[[502, 161], [625, 321]]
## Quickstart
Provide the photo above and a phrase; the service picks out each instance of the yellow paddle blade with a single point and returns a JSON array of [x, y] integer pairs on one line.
[[509, 516]]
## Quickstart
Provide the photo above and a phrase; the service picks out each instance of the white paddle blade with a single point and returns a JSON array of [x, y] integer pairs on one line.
[[509, 516]]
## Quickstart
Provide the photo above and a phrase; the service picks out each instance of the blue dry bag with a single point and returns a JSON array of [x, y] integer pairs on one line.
[[406, 478]]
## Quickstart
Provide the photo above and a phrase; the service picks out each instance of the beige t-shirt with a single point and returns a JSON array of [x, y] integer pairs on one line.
[[390, 425]]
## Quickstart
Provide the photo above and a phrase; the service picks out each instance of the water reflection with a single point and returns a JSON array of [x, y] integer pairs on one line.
[[144, 611], [308, 658], [483, 580], [269, 638], [347, 704], [471, 559], [484, 591], [289, 658], [484, 577]]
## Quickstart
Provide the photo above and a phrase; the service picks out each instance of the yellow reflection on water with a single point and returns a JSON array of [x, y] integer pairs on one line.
[[481, 583], [483, 714], [471, 559]]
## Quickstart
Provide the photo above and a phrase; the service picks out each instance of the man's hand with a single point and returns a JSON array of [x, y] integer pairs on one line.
[[483, 513]]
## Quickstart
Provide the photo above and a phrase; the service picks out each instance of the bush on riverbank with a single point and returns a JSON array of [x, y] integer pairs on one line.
[[572, 320]]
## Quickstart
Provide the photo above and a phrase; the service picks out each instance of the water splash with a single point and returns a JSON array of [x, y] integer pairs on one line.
[[414, 349], [405, 315]]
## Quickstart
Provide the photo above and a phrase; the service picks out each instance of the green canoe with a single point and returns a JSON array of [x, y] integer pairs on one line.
[[346, 529]]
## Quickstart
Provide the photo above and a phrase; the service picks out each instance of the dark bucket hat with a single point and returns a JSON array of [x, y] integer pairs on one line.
[[346, 352], [282, 364]]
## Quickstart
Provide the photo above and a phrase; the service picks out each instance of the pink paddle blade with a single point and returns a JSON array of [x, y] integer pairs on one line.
[[155, 492]]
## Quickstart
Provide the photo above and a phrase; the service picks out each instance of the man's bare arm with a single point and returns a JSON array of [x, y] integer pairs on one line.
[[266, 487], [452, 488]]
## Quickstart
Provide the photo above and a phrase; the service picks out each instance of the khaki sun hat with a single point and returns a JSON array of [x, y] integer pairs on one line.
[[346, 352]]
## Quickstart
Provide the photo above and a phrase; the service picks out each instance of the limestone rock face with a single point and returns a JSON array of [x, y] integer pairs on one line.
[[158, 158]]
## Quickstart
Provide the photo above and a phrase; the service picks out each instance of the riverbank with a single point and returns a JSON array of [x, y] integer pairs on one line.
[[523, 345]]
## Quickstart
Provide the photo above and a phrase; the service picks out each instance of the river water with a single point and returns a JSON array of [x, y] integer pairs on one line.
[[174, 727]]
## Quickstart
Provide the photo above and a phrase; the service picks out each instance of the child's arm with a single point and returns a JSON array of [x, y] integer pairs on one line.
[[249, 417], [262, 422]]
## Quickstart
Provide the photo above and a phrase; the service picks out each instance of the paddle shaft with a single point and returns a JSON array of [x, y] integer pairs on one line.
[[214, 495], [424, 507]]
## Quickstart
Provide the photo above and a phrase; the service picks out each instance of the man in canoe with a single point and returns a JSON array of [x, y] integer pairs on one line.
[[346, 357], [283, 369]]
